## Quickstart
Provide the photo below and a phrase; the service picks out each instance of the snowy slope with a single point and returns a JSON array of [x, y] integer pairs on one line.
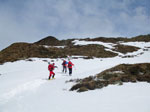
[[110, 46], [24, 88], [82, 42]]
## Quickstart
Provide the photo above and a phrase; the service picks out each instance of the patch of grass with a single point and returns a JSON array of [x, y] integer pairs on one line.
[[18, 51], [125, 49], [116, 75], [141, 38]]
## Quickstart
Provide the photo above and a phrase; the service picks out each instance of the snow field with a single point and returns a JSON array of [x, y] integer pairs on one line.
[[24, 88]]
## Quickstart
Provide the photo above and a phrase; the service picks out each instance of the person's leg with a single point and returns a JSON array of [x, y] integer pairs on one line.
[[53, 74], [65, 69], [70, 71], [50, 75]]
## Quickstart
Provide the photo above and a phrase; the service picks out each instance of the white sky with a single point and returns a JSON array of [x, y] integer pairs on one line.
[[32, 20]]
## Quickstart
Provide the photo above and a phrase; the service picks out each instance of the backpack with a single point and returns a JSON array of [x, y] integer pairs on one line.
[[51, 67], [64, 63], [69, 65]]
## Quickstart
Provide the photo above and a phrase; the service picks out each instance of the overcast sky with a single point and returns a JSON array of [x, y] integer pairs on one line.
[[32, 20]]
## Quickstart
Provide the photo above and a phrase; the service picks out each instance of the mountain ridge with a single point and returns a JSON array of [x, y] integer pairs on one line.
[[46, 48]]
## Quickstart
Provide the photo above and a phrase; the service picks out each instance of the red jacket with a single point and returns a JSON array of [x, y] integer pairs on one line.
[[51, 67], [70, 64]]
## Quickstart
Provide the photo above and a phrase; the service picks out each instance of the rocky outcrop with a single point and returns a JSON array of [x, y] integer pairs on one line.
[[116, 75]]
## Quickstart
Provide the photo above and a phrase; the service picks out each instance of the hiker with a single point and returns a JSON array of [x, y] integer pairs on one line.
[[70, 64], [64, 64], [51, 68]]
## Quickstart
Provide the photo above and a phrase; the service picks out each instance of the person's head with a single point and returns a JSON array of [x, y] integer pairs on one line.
[[49, 63], [53, 63]]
